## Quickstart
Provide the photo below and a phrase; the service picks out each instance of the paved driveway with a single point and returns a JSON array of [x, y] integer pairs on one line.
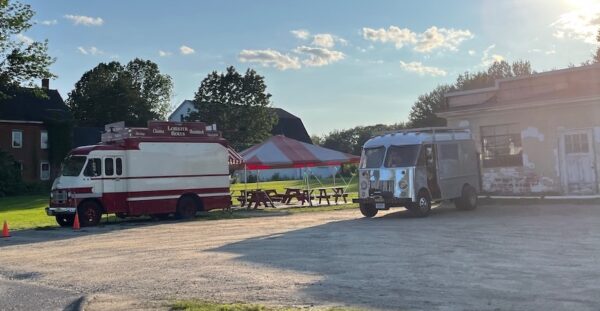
[[536, 257]]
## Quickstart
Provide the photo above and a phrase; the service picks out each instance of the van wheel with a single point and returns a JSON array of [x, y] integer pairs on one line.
[[186, 207], [65, 220], [468, 199], [422, 207], [89, 214], [368, 210]]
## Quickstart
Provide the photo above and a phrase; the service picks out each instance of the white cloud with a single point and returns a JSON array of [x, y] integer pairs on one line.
[[23, 38], [85, 20], [186, 50], [433, 38], [324, 40], [487, 59], [550, 52], [319, 56], [396, 35], [301, 33], [92, 50], [162, 53], [269, 58], [580, 24], [421, 69], [49, 22], [472, 52]]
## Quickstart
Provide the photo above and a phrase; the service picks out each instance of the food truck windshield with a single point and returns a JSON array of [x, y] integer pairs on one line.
[[397, 156], [72, 165]]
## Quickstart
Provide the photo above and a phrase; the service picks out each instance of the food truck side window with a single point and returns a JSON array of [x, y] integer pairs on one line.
[[93, 168]]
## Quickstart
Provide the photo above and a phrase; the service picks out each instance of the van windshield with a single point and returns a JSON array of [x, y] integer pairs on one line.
[[401, 156], [73, 165], [372, 157]]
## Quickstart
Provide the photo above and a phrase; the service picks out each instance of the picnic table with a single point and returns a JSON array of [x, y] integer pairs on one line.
[[338, 192]]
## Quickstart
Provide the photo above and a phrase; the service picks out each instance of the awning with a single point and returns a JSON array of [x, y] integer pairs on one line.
[[282, 152]]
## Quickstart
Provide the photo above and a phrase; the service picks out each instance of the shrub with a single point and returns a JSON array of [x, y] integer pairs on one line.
[[10, 176]]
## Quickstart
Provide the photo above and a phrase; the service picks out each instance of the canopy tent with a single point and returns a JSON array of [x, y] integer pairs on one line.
[[282, 152]]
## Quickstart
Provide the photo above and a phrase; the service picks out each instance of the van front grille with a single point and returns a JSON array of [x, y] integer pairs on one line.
[[382, 185]]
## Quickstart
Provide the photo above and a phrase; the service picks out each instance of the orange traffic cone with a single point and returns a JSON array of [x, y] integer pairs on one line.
[[5, 233], [76, 222]]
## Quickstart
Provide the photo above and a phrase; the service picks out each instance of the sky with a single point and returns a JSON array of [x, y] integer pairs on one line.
[[335, 64]]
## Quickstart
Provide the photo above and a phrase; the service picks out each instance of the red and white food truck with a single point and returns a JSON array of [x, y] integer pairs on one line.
[[168, 168]]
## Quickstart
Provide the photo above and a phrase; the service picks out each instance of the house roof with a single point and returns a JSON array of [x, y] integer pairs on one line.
[[26, 106]]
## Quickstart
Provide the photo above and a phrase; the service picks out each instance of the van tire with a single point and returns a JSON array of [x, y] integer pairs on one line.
[[65, 220], [89, 213], [368, 210], [467, 200], [422, 207], [187, 206]]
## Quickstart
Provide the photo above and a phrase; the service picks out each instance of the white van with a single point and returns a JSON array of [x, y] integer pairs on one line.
[[412, 168], [168, 168]]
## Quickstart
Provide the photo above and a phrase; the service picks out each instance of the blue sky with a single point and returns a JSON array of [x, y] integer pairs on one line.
[[335, 64]]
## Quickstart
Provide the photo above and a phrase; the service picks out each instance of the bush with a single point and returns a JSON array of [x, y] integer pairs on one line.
[[10, 176]]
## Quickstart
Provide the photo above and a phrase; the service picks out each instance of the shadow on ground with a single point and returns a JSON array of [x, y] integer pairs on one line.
[[494, 258]]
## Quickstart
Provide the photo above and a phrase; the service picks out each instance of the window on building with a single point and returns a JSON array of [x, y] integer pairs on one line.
[[19, 166], [17, 139], [93, 168], [44, 170], [109, 169], [577, 143], [44, 139], [501, 145]]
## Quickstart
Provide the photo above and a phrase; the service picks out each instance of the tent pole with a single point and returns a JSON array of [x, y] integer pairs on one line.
[[245, 178]]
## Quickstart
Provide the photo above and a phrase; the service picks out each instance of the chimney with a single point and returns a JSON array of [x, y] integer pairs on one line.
[[45, 83]]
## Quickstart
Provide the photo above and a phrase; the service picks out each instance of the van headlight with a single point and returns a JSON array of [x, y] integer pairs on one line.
[[363, 185], [403, 184]]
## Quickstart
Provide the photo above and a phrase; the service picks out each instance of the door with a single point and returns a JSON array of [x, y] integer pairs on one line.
[[431, 167], [579, 167], [115, 188]]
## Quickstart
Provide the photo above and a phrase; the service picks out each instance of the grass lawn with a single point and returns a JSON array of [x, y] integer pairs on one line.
[[24, 212], [193, 305]]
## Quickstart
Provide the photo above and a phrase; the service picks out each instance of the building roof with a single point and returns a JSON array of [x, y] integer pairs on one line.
[[288, 125], [26, 106], [557, 87]]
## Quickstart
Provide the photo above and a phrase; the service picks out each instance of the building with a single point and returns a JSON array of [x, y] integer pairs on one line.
[[24, 133], [288, 125], [538, 134]]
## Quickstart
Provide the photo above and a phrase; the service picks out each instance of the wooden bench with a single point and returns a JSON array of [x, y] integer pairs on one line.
[[323, 195], [339, 193]]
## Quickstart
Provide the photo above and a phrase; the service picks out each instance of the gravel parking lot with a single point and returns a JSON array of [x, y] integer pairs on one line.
[[498, 257]]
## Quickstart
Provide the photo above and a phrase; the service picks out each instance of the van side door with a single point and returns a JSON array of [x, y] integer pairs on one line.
[[115, 187]]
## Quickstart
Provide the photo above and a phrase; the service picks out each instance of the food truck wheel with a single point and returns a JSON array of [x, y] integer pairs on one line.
[[65, 220], [468, 199], [368, 210], [186, 207], [89, 214], [422, 207]]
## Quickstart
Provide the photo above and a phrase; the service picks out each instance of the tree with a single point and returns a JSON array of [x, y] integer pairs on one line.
[[135, 93], [21, 60], [352, 140], [422, 113], [237, 104], [316, 139]]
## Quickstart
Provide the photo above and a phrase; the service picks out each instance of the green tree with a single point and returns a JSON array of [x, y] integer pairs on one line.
[[316, 139], [422, 113], [135, 93], [21, 61], [10, 175], [352, 140], [237, 104]]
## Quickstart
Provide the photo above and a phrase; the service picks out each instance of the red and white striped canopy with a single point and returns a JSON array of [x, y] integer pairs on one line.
[[282, 152]]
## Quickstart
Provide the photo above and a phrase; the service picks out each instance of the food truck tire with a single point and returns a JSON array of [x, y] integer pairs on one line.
[[422, 207], [90, 213], [468, 199], [187, 206], [368, 210], [65, 220]]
